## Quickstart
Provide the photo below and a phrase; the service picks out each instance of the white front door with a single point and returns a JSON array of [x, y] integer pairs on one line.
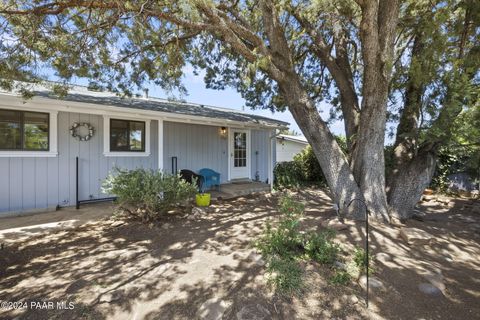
[[239, 153]]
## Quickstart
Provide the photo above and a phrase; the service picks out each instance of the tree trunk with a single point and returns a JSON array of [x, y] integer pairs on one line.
[[329, 154], [368, 158], [405, 189]]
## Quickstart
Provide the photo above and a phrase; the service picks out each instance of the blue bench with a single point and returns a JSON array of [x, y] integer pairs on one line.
[[211, 178]]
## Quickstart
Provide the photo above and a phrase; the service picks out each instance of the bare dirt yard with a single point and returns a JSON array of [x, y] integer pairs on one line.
[[203, 266]]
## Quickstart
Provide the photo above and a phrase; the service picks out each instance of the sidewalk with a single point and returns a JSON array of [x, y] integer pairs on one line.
[[19, 228]]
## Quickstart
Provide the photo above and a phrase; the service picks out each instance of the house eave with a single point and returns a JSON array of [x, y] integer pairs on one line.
[[11, 100]]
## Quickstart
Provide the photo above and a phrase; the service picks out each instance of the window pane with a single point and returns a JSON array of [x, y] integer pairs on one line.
[[118, 135], [137, 133], [126, 135], [35, 131], [10, 134]]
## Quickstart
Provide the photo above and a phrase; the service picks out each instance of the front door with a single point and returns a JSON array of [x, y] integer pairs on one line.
[[239, 154]]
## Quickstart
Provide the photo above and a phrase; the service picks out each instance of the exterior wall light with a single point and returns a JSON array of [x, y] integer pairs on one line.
[[223, 132]]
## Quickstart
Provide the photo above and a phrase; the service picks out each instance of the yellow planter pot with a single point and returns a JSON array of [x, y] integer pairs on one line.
[[203, 199]]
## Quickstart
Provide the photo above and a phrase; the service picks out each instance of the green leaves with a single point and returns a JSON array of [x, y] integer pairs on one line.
[[147, 193]]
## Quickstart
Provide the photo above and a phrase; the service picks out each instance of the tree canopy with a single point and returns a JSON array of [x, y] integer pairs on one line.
[[411, 64]]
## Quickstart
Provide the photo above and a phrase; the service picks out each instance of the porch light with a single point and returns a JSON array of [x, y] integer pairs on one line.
[[223, 132]]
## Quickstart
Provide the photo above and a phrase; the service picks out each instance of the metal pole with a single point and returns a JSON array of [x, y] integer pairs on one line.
[[366, 250], [76, 184], [367, 262]]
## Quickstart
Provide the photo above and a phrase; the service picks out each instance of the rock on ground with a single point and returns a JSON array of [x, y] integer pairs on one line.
[[253, 312], [429, 289], [334, 224], [435, 279], [198, 211], [255, 257], [373, 282], [383, 257]]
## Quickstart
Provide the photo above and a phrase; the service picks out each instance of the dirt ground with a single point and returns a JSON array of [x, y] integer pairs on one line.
[[204, 267]]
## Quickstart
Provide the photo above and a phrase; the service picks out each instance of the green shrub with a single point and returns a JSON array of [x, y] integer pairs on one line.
[[360, 260], [147, 193], [285, 241], [282, 246], [340, 277], [287, 175], [285, 245], [310, 170], [321, 248], [304, 170], [286, 276]]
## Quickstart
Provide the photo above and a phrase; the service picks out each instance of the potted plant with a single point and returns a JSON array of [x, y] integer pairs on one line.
[[202, 199]]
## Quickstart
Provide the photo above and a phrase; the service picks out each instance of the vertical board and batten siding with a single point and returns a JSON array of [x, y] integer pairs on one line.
[[259, 154], [42, 182], [196, 147], [200, 146]]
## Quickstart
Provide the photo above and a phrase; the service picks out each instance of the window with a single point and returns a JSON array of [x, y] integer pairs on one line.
[[240, 149], [127, 135], [24, 130]]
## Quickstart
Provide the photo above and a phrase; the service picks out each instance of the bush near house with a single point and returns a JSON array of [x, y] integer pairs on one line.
[[147, 193], [304, 170]]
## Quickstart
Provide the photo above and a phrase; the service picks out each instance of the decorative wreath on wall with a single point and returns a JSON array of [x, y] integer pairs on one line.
[[82, 131]]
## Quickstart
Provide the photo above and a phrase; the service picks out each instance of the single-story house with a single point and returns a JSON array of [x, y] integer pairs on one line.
[[288, 146], [41, 138]]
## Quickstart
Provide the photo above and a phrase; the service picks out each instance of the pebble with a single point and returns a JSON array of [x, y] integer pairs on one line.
[[383, 257], [429, 289], [253, 312], [373, 282]]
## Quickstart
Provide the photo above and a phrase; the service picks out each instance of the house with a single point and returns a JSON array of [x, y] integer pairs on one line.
[[288, 146], [41, 138]]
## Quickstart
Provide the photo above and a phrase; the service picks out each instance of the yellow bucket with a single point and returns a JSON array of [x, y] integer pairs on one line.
[[203, 199]]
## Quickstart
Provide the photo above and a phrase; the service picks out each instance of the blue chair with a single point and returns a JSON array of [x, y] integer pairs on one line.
[[210, 178]]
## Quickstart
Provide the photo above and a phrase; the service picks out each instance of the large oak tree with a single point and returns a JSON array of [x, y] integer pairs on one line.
[[411, 63]]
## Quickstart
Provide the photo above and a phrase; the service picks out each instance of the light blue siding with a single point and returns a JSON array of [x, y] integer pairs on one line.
[[260, 149], [43, 182], [196, 147], [199, 146]]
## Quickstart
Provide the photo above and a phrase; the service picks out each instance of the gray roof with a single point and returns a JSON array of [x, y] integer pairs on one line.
[[180, 108]]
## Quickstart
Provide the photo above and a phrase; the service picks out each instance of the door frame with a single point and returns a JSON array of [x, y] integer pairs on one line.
[[230, 151]]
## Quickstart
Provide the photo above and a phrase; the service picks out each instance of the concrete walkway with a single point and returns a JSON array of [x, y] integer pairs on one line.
[[21, 227]]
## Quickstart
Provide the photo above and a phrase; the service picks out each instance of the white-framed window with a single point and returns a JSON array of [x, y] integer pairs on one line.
[[126, 137], [28, 132]]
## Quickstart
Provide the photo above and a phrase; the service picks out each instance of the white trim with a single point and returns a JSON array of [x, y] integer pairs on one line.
[[249, 153], [15, 102], [271, 165], [229, 150], [160, 144], [52, 137], [106, 138]]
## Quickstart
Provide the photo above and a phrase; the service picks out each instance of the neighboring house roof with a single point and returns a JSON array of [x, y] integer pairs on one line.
[[82, 94], [298, 139]]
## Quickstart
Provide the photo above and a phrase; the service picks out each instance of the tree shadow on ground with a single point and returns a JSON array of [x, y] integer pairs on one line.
[[449, 261], [171, 269]]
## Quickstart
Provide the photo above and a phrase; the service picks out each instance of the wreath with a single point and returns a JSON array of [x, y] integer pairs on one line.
[[76, 131]]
